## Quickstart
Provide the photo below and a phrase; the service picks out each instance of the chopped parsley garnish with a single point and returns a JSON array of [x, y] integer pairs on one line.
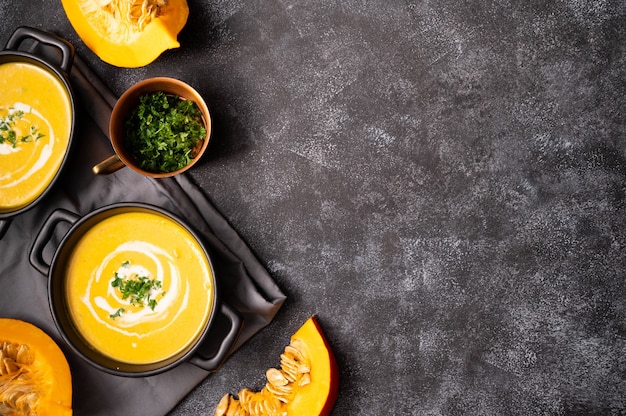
[[164, 132], [117, 313], [137, 289], [11, 135]]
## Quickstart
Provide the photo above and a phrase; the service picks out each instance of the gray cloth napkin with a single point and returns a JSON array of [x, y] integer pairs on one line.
[[242, 281]]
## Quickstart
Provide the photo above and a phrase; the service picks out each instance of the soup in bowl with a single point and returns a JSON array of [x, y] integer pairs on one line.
[[36, 121], [138, 287], [133, 292]]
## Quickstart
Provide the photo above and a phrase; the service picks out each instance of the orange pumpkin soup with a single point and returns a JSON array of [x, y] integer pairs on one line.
[[139, 287], [35, 128]]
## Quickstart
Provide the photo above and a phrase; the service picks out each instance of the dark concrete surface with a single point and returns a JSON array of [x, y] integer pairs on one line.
[[442, 182]]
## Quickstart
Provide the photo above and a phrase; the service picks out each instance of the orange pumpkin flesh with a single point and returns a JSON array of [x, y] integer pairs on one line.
[[35, 377], [128, 33], [306, 385], [323, 370]]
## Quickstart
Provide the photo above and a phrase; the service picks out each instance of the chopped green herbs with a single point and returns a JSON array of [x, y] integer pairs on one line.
[[9, 133], [164, 132], [139, 290], [117, 313]]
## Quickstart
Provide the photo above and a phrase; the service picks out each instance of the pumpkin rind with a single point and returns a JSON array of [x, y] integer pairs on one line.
[[306, 385], [47, 373], [142, 45]]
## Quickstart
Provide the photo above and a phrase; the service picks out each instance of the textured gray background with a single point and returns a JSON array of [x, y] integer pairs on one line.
[[442, 182]]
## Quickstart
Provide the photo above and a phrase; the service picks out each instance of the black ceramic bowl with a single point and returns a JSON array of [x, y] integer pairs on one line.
[[56, 272], [59, 72]]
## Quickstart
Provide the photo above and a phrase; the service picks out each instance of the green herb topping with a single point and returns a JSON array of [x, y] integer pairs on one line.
[[164, 132], [139, 290], [117, 313], [11, 135]]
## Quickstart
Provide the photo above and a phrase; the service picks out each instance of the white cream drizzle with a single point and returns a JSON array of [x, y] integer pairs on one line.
[[7, 149], [45, 154], [124, 324]]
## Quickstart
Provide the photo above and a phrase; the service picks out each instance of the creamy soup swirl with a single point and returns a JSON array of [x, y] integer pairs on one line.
[[139, 287], [35, 128]]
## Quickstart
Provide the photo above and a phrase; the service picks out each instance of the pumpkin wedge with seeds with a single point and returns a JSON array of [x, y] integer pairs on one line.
[[306, 384], [35, 377]]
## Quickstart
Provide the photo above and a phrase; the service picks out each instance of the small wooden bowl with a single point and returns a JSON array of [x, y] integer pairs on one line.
[[127, 102]]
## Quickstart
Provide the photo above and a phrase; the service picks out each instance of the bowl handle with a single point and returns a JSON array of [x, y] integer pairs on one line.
[[214, 363], [109, 165], [24, 32], [44, 236]]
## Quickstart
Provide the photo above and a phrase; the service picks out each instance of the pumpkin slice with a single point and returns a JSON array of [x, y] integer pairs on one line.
[[35, 378], [128, 33], [306, 384]]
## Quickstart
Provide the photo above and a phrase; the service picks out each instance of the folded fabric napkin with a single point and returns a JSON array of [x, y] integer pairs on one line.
[[242, 281]]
